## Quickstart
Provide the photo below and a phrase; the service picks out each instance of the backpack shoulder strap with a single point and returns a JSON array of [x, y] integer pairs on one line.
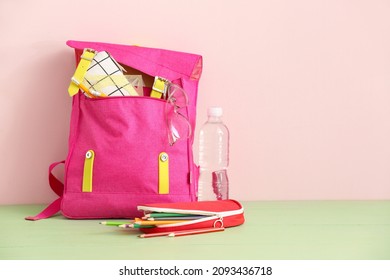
[[58, 187], [52, 209]]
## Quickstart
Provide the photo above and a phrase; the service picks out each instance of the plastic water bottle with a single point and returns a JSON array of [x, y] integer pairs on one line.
[[213, 157]]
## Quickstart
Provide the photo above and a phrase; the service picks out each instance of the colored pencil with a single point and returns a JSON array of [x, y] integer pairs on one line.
[[155, 223], [113, 223], [159, 215], [194, 231], [118, 223], [135, 226], [181, 232], [176, 218]]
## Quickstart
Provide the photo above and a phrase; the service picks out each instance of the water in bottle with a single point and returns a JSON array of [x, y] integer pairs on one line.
[[213, 157]]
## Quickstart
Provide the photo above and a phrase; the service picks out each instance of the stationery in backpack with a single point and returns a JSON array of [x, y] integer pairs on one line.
[[105, 75], [219, 213]]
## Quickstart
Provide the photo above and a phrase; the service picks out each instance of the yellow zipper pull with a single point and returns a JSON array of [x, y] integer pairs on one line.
[[88, 170], [163, 173]]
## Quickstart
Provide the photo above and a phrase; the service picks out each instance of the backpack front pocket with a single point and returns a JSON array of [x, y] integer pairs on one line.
[[130, 155]]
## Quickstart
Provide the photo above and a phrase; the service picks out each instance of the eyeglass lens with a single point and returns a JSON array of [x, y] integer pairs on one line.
[[177, 122]]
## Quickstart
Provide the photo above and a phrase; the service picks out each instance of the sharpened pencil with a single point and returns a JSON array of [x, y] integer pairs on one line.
[[155, 223], [181, 232], [176, 218], [113, 223], [135, 226], [194, 231], [118, 223], [160, 214], [148, 235]]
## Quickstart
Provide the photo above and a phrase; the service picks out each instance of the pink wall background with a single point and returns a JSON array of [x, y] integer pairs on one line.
[[305, 86]]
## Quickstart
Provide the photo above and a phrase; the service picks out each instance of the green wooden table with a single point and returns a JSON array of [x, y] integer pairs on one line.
[[294, 230]]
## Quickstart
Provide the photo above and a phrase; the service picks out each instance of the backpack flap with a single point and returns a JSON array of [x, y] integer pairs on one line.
[[171, 65]]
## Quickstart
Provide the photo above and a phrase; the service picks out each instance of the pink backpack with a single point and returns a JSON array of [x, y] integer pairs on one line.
[[119, 152]]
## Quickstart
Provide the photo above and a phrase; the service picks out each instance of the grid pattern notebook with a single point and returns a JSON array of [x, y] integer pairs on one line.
[[105, 75]]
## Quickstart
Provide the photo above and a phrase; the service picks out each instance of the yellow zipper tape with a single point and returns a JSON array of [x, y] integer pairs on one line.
[[163, 173], [88, 170]]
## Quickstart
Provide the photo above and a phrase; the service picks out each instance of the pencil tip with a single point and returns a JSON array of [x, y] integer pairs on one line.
[[171, 234], [122, 226], [103, 223], [141, 236]]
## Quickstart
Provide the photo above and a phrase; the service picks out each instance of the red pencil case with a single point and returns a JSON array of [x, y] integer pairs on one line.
[[220, 213]]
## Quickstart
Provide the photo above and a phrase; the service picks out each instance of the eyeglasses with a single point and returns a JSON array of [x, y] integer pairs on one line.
[[175, 112]]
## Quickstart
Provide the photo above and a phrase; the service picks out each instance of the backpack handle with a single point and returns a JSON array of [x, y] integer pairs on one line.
[[56, 185]]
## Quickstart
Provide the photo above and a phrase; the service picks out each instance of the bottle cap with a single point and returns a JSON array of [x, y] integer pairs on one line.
[[214, 112]]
